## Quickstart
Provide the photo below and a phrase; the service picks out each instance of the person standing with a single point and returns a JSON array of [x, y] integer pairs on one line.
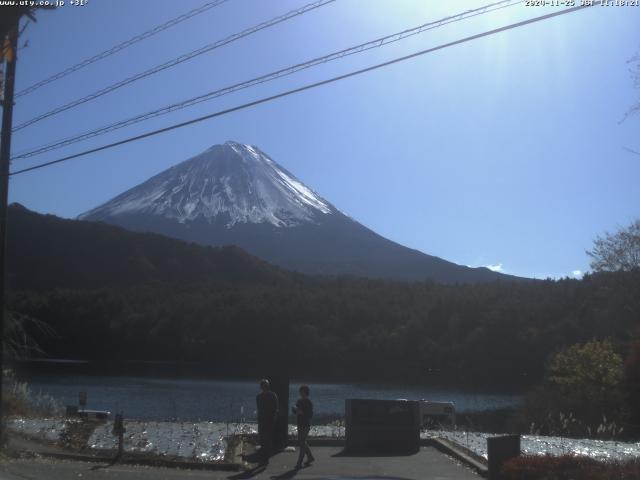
[[304, 411], [267, 407]]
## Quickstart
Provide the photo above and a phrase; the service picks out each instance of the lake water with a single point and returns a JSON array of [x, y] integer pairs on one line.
[[161, 399]]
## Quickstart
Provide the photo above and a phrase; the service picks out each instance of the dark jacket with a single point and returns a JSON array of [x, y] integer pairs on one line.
[[304, 412], [267, 405]]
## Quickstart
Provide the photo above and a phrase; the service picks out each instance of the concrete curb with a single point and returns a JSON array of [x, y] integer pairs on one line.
[[458, 452]]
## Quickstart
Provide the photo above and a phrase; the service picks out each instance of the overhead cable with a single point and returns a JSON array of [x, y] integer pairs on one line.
[[378, 42], [176, 61], [121, 46], [305, 87]]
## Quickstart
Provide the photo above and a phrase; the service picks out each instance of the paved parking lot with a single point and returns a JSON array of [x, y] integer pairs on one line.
[[330, 463]]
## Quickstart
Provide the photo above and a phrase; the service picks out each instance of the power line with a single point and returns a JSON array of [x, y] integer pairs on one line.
[[303, 88], [378, 42], [121, 46], [176, 61]]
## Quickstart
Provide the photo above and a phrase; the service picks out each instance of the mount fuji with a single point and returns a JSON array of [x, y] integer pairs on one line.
[[236, 194]]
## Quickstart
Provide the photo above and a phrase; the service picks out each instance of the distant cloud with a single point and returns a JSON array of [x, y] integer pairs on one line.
[[577, 273], [494, 268]]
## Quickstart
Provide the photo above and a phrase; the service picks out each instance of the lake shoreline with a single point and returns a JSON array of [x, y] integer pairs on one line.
[[184, 399]]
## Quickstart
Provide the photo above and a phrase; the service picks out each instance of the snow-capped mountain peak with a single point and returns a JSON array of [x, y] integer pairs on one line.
[[235, 194], [232, 182]]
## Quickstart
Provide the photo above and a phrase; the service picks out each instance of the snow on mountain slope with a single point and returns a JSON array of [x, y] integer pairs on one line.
[[237, 181]]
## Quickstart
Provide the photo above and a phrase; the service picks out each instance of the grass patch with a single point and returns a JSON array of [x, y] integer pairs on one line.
[[19, 400]]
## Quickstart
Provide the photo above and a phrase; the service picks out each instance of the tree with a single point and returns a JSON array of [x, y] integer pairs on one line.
[[582, 394], [591, 370], [17, 338], [617, 251], [588, 381]]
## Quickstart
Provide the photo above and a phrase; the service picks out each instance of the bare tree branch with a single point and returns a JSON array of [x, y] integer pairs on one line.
[[617, 251]]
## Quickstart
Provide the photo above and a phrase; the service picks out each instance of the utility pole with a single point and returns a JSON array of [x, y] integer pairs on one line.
[[5, 154]]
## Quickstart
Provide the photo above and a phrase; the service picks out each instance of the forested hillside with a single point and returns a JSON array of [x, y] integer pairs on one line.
[[498, 334], [45, 251], [108, 295]]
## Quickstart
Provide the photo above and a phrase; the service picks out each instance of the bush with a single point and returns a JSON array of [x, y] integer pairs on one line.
[[19, 400], [568, 467], [592, 371]]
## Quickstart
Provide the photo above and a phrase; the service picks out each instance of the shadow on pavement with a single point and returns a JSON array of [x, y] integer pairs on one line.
[[288, 474], [249, 473], [375, 453], [99, 467]]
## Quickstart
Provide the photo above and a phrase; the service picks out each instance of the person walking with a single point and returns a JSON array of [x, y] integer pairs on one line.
[[304, 411], [267, 407]]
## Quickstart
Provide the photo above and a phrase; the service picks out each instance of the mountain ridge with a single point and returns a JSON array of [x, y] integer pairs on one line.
[[46, 251], [236, 194]]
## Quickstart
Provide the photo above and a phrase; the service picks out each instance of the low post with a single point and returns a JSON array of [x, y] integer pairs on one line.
[[118, 429], [499, 450]]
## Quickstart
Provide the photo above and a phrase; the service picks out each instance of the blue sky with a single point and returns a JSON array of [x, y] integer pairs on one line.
[[507, 151]]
